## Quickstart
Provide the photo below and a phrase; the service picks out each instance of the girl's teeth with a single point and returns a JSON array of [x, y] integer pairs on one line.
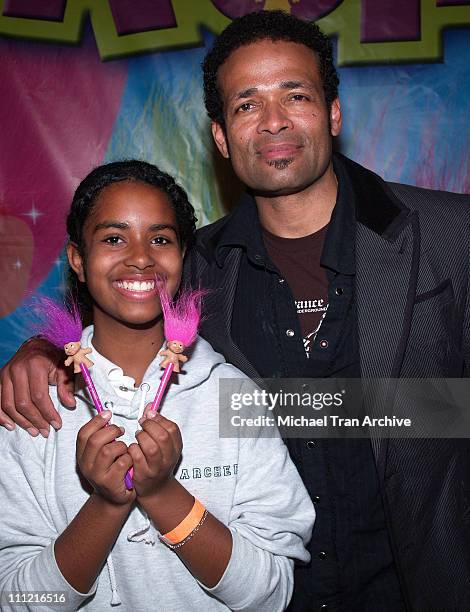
[[136, 285]]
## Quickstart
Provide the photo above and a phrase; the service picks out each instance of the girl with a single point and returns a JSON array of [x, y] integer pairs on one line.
[[234, 511]]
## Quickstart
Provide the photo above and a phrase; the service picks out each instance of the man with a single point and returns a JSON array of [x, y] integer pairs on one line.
[[324, 270]]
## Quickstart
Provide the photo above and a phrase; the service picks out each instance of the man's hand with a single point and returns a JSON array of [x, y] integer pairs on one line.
[[24, 380], [156, 454], [104, 461]]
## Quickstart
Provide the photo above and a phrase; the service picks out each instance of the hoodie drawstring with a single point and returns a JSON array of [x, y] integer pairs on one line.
[[115, 599], [143, 533]]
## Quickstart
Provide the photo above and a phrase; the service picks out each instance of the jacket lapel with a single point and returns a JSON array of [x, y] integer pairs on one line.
[[386, 274]]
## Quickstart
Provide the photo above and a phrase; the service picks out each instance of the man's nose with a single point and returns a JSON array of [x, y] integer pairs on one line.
[[274, 119], [140, 256]]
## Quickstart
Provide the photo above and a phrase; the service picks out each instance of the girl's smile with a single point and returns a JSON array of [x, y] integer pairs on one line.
[[137, 289]]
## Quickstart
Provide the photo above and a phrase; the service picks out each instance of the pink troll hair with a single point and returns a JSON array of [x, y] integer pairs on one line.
[[181, 318], [58, 323]]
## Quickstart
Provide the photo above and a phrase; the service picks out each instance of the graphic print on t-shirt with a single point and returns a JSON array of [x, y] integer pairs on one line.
[[298, 261], [307, 307]]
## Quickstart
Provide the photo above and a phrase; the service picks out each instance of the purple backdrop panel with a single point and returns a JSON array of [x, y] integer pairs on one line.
[[50, 10], [390, 20], [131, 16], [306, 9], [237, 8]]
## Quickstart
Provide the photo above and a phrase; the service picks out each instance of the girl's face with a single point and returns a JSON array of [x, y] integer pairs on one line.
[[130, 236]]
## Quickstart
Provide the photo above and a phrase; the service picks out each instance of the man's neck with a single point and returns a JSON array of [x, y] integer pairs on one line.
[[300, 214]]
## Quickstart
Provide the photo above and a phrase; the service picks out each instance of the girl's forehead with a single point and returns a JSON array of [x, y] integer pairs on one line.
[[123, 191], [128, 200]]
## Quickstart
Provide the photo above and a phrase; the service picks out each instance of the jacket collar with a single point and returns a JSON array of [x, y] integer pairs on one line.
[[242, 230], [377, 208]]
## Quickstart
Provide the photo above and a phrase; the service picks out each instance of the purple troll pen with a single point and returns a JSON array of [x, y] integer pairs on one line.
[[91, 388], [99, 408], [161, 387]]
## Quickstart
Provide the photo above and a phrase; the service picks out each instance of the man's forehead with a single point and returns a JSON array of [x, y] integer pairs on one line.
[[268, 47], [266, 57]]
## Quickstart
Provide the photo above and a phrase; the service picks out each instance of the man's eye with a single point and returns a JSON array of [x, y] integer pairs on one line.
[[246, 106], [299, 97], [112, 239]]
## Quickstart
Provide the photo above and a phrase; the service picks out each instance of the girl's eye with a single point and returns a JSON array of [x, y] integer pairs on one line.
[[112, 239], [161, 240]]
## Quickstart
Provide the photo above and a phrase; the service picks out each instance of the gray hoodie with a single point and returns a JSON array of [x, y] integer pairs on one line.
[[249, 484]]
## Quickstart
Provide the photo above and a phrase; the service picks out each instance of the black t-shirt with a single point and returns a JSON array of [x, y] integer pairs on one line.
[[298, 261]]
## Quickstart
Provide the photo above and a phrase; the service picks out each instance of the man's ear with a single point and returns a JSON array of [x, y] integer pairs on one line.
[[75, 261], [335, 117], [220, 139]]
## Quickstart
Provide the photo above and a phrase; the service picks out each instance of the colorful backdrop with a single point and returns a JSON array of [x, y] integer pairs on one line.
[[87, 81]]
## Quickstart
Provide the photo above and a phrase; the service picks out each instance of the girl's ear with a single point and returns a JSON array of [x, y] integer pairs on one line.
[[75, 261]]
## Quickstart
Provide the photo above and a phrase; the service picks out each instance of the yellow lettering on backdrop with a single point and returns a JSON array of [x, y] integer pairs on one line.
[[344, 21]]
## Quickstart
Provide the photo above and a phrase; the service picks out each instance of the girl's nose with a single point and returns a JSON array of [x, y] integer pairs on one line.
[[140, 257]]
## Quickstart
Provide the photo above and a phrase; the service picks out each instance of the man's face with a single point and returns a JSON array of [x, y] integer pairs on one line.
[[277, 126]]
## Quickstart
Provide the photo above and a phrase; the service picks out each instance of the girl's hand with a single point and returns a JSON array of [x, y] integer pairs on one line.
[[103, 460], [155, 455]]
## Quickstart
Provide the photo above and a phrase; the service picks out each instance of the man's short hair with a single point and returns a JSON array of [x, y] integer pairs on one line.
[[266, 25]]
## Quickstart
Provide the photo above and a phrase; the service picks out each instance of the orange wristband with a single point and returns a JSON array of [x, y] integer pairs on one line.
[[187, 525]]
